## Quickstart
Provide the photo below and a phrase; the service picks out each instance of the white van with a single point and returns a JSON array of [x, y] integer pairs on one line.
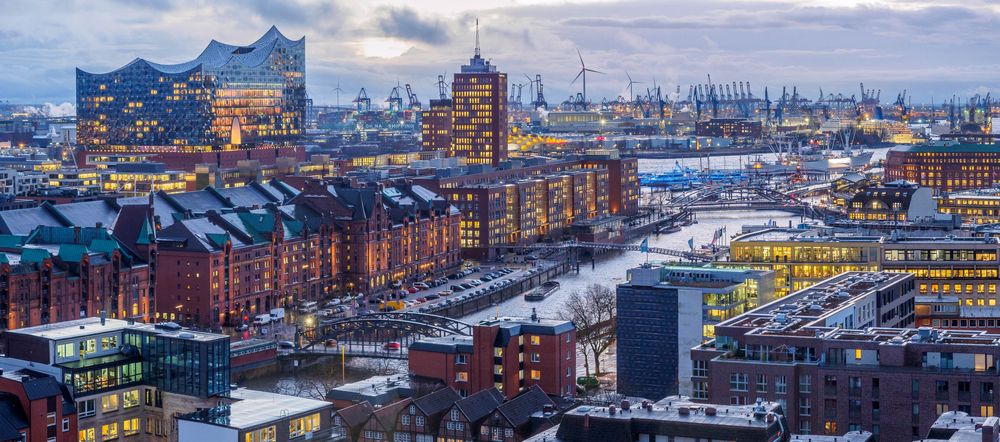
[[277, 314], [262, 319], [308, 307]]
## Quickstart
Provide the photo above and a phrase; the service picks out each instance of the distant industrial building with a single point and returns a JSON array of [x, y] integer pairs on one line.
[[728, 128], [664, 311], [231, 103], [436, 126]]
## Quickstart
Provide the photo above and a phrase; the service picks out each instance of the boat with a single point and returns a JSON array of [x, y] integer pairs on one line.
[[542, 291]]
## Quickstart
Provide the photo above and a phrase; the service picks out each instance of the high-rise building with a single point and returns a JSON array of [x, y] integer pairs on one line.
[[479, 116], [436, 126], [230, 103]]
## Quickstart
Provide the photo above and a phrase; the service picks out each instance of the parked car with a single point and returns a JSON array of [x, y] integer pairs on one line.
[[457, 288], [445, 292], [262, 319], [432, 297], [286, 345], [421, 285]]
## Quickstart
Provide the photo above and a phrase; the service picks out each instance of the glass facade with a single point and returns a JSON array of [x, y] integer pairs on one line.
[[194, 367], [229, 95]]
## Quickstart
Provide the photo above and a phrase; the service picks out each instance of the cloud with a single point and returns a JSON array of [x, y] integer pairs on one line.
[[404, 23]]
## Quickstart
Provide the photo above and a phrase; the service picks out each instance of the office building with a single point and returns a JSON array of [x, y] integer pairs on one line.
[[945, 166], [436, 126], [127, 379], [258, 416], [230, 103], [843, 355], [479, 112], [963, 266], [509, 354], [665, 311], [978, 206]]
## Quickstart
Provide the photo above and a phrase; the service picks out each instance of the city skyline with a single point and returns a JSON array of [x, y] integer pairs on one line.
[[924, 47]]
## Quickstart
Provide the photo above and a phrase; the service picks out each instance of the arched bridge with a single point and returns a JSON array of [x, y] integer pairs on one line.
[[370, 332]]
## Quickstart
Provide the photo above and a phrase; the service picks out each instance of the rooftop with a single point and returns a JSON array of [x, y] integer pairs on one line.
[[537, 326], [252, 408], [377, 390], [92, 326]]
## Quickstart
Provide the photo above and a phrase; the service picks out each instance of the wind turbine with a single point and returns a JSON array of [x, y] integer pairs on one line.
[[583, 71], [630, 83], [338, 90]]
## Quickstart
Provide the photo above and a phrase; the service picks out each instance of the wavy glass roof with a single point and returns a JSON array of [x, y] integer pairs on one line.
[[217, 54]]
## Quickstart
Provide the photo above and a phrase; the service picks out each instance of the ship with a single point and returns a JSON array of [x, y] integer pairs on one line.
[[541, 292]]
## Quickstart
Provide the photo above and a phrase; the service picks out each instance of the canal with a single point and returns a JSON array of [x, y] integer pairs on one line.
[[608, 269]]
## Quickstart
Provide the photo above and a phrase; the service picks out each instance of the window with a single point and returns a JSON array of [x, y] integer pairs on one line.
[[536, 340], [87, 435], [699, 369], [419, 420], [109, 431], [67, 350], [986, 410], [86, 408], [461, 376], [461, 359], [400, 437], [536, 374], [780, 385], [266, 434], [303, 425], [805, 383], [700, 390], [454, 414], [130, 399], [65, 425], [738, 382], [369, 434], [805, 408], [405, 419], [109, 403], [535, 357], [130, 426], [109, 343], [942, 408], [762, 383]]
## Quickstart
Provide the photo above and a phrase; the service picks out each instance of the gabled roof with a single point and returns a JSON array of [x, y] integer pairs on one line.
[[518, 411], [41, 387], [357, 414], [480, 405], [386, 416], [12, 418], [437, 402]]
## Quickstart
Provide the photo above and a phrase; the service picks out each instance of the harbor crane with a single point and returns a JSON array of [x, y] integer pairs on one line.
[[414, 102], [442, 87], [395, 101], [364, 103]]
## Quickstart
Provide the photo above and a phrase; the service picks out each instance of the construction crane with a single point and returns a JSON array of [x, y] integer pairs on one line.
[[535, 90], [412, 98], [363, 102]]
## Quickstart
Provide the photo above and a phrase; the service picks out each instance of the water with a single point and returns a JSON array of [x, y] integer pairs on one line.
[[724, 161], [610, 268]]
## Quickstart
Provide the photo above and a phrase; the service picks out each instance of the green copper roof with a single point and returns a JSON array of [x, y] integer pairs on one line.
[[69, 252], [35, 255], [103, 245], [11, 241], [144, 233], [218, 239]]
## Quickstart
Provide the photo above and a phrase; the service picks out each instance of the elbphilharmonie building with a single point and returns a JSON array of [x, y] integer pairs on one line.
[[229, 98]]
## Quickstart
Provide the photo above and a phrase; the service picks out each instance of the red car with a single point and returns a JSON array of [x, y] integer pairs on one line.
[[413, 290], [392, 346]]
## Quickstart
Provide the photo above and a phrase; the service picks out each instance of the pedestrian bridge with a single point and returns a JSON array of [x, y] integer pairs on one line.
[[370, 332]]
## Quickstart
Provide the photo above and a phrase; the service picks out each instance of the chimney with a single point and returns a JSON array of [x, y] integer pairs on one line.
[[104, 316], [534, 315], [586, 422]]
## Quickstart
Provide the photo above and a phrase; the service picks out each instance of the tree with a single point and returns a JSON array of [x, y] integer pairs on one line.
[[593, 312]]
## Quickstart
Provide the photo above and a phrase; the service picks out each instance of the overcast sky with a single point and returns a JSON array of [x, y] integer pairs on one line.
[[933, 48]]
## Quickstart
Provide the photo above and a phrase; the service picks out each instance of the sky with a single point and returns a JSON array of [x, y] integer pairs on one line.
[[932, 48]]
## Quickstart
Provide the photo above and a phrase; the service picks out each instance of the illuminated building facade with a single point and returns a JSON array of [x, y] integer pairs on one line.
[[981, 206], [479, 115], [728, 128], [945, 167], [127, 379], [234, 99], [436, 126], [962, 266], [899, 202]]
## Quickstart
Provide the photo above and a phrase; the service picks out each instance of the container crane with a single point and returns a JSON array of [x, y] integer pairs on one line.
[[364, 103]]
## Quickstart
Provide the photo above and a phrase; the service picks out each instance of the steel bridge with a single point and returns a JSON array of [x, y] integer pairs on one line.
[[367, 333], [742, 197], [612, 246]]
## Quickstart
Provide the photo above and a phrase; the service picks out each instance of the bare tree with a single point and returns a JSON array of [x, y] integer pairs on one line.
[[593, 312]]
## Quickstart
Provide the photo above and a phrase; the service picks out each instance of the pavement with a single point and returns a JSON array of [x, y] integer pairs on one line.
[[519, 271]]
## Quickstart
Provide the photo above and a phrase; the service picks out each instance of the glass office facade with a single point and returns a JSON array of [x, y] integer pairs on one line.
[[193, 367], [228, 96]]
